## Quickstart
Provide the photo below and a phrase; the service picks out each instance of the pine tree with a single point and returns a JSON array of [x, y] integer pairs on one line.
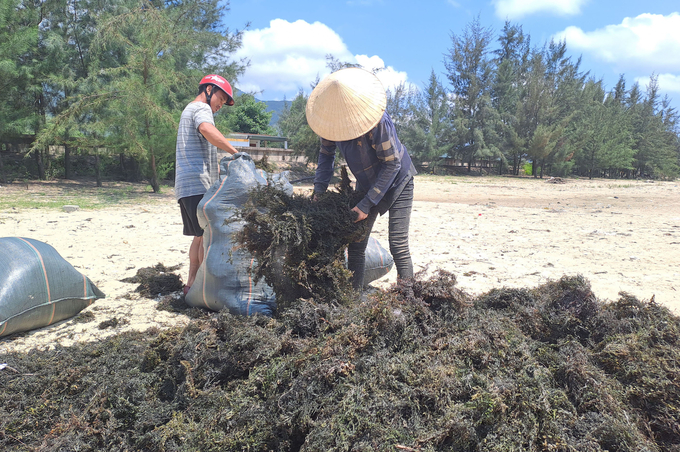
[[428, 134], [511, 71], [145, 60], [18, 37], [470, 73], [21, 101], [648, 130], [292, 124], [656, 154]]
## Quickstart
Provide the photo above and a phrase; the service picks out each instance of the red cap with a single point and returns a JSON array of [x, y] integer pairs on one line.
[[221, 83]]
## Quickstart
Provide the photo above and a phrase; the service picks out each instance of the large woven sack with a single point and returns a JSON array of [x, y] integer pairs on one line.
[[378, 261], [38, 287], [224, 279]]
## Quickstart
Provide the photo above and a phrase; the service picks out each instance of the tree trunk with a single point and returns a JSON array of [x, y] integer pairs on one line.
[[3, 177], [134, 171], [67, 161], [37, 155], [97, 168], [154, 175], [121, 161]]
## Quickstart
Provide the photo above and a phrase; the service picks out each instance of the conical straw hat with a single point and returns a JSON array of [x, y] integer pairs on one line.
[[346, 104]]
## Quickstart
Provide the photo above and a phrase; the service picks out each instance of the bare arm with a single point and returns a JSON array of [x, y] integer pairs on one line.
[[215, 137]]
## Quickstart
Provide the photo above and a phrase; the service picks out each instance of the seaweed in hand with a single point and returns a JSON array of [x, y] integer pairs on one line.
[[299, 242]]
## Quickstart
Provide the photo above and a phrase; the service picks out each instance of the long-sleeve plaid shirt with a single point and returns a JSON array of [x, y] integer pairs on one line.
[[377, 159]]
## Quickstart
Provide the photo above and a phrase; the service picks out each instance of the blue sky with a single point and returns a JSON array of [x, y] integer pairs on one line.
[[287, 41]]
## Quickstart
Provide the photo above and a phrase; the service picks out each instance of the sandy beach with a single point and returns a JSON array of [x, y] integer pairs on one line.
[[491, 232]]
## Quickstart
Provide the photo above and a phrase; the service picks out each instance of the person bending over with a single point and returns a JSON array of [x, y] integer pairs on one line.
[[347, 111]]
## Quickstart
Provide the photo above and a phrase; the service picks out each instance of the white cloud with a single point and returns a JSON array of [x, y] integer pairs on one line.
[[648, 42], [390, 77], [515, 9], [288, 56], [668, 83]]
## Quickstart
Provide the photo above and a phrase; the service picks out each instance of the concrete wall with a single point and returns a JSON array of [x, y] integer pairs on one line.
[[273, 154]]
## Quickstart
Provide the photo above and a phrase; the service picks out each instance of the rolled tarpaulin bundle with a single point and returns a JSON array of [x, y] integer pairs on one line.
[[38, 287]]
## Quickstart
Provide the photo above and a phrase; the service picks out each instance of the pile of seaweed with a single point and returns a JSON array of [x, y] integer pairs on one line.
[[421, 367], [156, 280], [299, 242]]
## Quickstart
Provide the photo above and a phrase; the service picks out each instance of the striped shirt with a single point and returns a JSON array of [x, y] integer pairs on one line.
[[377, 159], [196, 166]]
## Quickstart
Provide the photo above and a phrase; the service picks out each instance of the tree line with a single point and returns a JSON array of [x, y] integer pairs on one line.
[[108, 80], [523, 108], [105, 81]]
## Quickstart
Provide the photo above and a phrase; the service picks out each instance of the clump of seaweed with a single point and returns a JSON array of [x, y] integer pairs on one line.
[[112, 323], [265, 165], [422, 366], [156, 280], [84, 317], [175, 303], [299, 242]]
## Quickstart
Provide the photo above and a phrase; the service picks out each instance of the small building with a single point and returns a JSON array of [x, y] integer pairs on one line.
[[254, 145], [255, 140]]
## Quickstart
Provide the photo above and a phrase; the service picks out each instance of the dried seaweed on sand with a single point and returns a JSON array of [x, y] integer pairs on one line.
[[156, 280], [419, 367]]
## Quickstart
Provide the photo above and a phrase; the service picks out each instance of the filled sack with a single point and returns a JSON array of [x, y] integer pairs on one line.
[[38, 287], [224, 279], [378, 261]]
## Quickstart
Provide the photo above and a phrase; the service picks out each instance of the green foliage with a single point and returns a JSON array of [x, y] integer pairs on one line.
[[602, 131], [425, 126], [655, 155], [292, 124], [19, 86], [117, 74], [247, 116], [470, 73]]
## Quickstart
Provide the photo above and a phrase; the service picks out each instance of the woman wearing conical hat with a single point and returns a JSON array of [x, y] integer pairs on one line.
[[347, 111]]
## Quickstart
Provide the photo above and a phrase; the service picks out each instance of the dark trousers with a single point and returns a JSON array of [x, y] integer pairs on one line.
[[399, 219]]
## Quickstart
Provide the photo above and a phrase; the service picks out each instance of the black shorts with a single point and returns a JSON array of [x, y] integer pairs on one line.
[[188, 206]]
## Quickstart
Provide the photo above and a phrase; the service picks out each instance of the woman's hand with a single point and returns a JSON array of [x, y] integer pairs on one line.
[[360, 215]]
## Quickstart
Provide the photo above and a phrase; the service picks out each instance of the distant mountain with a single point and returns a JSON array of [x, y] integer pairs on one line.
[[276, 107]]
